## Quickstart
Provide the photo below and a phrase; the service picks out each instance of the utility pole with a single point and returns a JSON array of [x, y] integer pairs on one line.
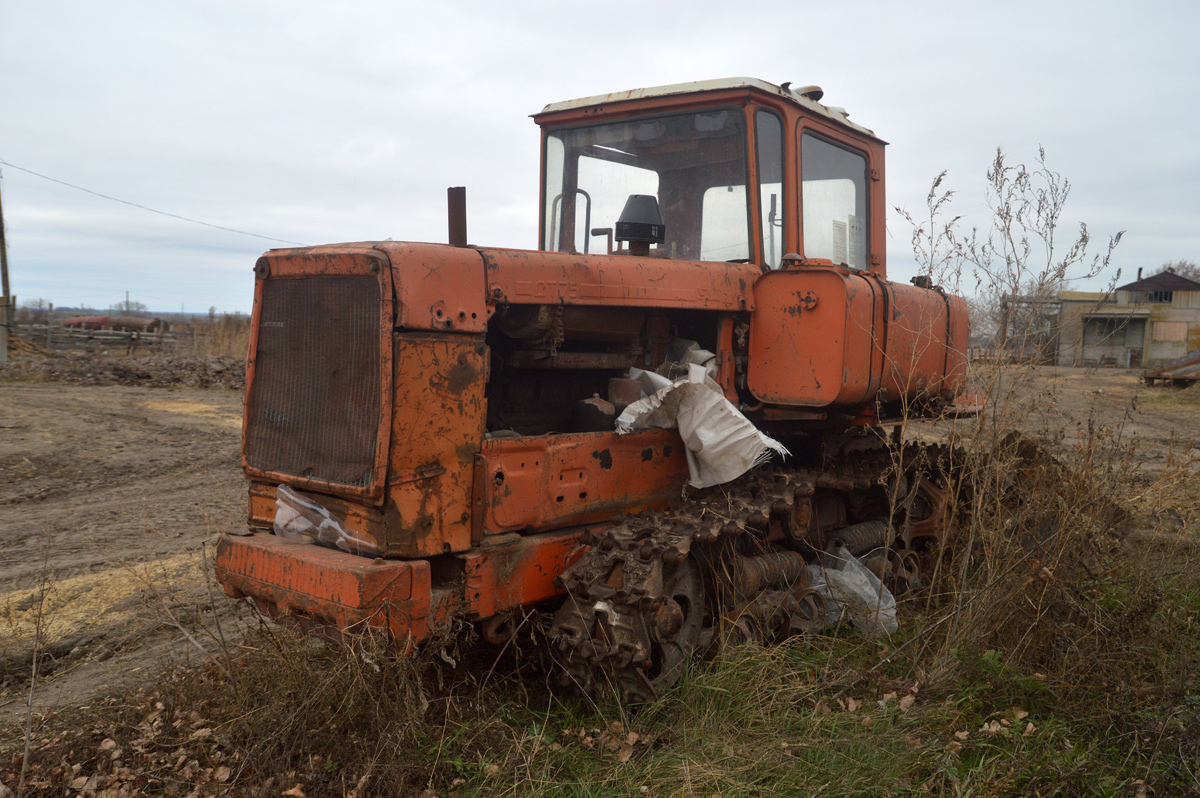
[[5, 298]]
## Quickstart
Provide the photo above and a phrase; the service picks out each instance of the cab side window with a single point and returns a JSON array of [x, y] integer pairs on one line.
[[834, 184]]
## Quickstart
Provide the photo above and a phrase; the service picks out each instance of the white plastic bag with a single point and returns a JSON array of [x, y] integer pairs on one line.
[[721, 443], [302, 520], [852, 593]]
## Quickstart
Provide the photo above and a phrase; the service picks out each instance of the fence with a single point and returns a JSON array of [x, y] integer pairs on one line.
[[56, 338], [1033, 355]]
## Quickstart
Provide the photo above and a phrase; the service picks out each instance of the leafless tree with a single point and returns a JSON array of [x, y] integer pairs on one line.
[[128, 306], [1184, 268], [35, 310]]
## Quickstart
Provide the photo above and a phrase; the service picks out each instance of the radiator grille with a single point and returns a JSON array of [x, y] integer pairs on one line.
[[313, 405]]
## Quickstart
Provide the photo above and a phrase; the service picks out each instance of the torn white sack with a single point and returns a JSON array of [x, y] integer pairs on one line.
[[685, 353], [302, 520], [721, 444], [651, 382], [852, 593]]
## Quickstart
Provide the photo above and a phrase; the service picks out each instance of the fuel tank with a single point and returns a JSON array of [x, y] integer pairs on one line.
[[828, 337]]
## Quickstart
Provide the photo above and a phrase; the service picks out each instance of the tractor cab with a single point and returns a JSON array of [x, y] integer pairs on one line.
[[733, 170]]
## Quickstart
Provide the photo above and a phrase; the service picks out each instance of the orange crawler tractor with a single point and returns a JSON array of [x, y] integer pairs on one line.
[[439, 419]]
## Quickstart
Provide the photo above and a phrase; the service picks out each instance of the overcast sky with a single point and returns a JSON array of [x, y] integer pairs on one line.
[[320, 122]]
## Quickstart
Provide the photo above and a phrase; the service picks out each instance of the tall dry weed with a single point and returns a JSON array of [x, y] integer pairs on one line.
[[226, 334], [1042, 572]]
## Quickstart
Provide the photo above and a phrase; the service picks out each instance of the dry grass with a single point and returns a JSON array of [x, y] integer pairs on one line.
[[227, 334], [1055, 655]]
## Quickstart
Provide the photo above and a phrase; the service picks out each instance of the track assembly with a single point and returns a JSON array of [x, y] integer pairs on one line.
[[728, 565]]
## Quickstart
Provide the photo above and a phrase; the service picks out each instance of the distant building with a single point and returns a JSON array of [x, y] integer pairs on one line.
[[1144, 323]]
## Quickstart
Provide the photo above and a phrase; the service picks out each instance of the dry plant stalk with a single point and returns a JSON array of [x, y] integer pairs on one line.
[[1034, 532], [45, 583]]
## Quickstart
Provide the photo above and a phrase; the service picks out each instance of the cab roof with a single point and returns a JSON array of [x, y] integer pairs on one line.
[[793, 96]]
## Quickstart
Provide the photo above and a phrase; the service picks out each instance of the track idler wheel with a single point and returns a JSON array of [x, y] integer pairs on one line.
[[899, 570], [904, 571], [637, 645], [807, 617], [740, 626], [675, 627]]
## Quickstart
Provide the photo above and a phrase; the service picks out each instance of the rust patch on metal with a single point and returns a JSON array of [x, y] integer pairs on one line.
[[461, 377], [439, 382], [604, 457]]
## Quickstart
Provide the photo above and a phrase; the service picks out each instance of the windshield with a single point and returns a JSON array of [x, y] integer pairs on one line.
[[694, 164]]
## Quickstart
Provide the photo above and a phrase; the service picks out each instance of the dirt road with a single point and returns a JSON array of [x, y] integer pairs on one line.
[[90, 477], [1066, 405], [106, 496]]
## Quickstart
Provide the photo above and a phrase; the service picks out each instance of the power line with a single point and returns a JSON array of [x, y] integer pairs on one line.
[[143, 207], [174, 301]]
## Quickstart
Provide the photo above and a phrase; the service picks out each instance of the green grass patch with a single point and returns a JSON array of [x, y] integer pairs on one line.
[[1176, 397]]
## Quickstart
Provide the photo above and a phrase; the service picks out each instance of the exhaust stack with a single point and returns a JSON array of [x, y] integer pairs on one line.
[[456, 200]]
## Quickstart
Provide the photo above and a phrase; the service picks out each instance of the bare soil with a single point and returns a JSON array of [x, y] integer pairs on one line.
[[107, 496], [110, 496], [154, 369], [1066, 405]]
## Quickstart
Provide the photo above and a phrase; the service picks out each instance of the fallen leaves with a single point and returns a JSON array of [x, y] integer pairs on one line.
[[182, 746], [85, 783], [615, 738], [849, 704], [991, 727], [998, 723]]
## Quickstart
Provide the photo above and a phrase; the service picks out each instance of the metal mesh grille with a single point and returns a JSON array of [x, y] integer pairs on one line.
[[314, 400]]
